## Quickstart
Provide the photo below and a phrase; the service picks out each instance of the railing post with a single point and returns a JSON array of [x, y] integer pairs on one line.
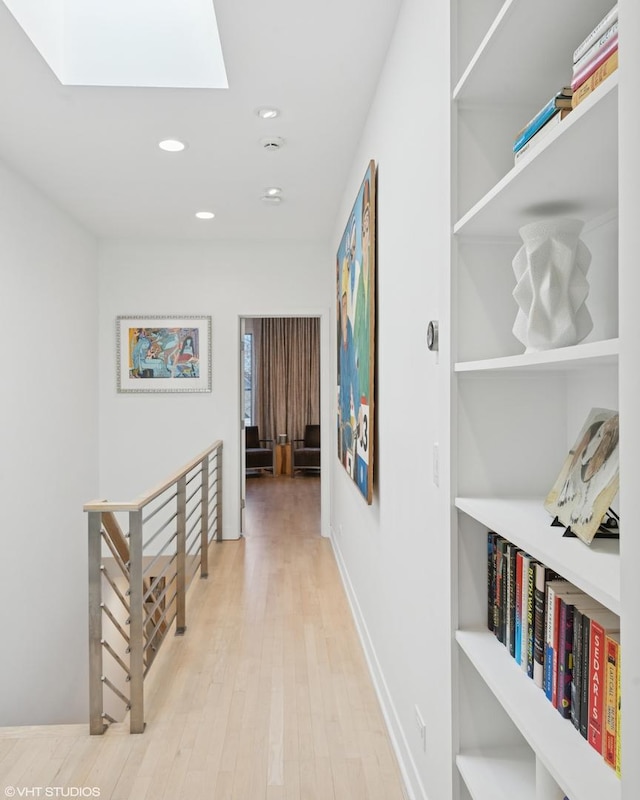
[[136, 630], [96, 700], [181, 546], [204, 518], [219, 493]]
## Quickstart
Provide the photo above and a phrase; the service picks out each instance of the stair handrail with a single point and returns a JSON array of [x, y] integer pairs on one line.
[[189, 516]]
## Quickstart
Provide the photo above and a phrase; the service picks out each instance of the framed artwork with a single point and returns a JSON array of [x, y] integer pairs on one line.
[[589, 479], [355, 296], [163, 354]]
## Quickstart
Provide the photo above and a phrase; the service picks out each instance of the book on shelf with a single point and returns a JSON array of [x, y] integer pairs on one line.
[[601, 623], [524, 611], [618, 720], [492, 539], [605, 23], [531, 582], [560, 100], [609, 742], [510, 599], [518, 609], [566, 620], [592, 65], [591, 84], [579, 677], [542, 577], [541, 134], [501, 594], [594, 50], [553, 589]]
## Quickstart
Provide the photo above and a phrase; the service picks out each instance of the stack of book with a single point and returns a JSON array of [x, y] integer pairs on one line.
[[596, 57], [550, 115], [593, 61], [566, 641]]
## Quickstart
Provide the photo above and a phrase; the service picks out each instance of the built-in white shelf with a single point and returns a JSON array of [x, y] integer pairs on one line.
[[499, 774], [603, 353], [523, 33], [571, 761], [570, 176], [594, 568]]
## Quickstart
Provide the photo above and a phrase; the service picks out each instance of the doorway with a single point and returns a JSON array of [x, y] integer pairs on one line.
[[281, 380]]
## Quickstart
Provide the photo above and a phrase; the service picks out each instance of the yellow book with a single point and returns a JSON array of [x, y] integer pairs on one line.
[[593, 81]]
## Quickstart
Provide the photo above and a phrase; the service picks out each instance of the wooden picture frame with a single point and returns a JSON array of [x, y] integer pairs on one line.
[[163, 354], [356, 304]]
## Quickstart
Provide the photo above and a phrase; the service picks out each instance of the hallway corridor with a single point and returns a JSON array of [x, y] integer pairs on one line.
[[266, 697]]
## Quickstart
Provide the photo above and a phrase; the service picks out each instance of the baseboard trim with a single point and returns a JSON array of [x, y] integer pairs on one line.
[[413, 787]]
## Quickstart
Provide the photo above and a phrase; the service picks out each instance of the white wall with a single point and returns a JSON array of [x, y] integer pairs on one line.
[[394, 554], [48, 455], [144, 437]]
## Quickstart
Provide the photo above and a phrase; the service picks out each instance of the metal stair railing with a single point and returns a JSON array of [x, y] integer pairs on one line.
[[138, 581]]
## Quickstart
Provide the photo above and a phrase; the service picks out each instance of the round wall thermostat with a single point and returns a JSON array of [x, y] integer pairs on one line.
[[432, 335]]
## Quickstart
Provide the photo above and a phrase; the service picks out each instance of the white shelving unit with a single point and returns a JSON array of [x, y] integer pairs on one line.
[[515, 415]]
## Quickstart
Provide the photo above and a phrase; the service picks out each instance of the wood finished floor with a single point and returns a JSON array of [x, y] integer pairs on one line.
[[266, 697]]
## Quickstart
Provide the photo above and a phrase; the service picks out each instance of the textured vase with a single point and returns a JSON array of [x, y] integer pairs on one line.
[[552, 287]]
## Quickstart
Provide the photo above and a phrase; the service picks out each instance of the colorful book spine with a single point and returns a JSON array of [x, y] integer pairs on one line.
[[510, 638], [530, 616], [595, 48], [619, 723], [544, 131], [518, 627], [591, 84], [526, 562], [576, 675], [565, 657], [550, 633], [491, 578], [543, 116], [605, 23], [542, 574], [600, 625], [609, 744], [584, 697], [597, 61]]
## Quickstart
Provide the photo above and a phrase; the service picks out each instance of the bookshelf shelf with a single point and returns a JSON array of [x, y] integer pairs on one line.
[[579, 356], [498, 774], [488, 79], [553, 179], [516, 415], [554, 739], [524, 521]]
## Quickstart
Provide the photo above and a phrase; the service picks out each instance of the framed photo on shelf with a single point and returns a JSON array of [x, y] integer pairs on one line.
[[163, 354], [590, 477], [355, 295]]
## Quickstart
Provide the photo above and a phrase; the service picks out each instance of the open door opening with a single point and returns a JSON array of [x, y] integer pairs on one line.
[[280, 405]]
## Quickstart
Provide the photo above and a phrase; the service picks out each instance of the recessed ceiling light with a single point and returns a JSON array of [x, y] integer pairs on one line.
[[205, 214], [273, 191], [268, 113], [171, 145], [272, 199]]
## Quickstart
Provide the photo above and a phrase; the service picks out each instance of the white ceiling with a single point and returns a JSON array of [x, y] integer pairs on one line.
[[93, 150]]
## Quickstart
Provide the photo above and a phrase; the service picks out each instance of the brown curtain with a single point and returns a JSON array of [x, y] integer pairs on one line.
[[288, 375]]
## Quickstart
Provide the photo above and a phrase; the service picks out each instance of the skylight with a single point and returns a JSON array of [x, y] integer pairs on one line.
[[145, 43]]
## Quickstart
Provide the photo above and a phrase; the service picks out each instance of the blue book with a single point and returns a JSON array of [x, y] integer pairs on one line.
[[558, 101]]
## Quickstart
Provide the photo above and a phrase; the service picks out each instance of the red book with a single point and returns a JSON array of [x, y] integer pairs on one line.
[[600, 623]]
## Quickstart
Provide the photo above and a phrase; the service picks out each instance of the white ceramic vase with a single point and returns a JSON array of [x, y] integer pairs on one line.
[[552, 287]]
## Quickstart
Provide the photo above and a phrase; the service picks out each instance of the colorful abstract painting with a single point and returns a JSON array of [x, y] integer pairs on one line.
[[164, 354], [355, 295]]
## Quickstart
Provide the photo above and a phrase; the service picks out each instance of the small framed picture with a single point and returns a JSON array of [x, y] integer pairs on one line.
[[163, 354]]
